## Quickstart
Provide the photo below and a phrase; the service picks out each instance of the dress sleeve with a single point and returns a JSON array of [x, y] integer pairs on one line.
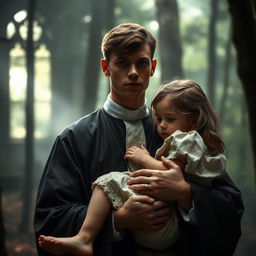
[[200, 166]]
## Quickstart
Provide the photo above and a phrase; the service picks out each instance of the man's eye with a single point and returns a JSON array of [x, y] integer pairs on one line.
[[121, 63], [143, 63]]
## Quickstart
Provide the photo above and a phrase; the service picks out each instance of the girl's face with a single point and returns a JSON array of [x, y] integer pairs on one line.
[[169, 119]]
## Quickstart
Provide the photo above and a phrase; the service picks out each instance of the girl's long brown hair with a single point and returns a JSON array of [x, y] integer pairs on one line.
[[188, 98]]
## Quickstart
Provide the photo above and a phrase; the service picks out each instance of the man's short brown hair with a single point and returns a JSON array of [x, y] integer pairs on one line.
[[126, 38]]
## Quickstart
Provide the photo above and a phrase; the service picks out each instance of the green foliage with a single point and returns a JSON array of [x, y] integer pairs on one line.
[[235, 131], [135, 11]]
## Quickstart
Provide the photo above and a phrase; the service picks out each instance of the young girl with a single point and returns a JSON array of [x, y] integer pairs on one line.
[[189, 127]]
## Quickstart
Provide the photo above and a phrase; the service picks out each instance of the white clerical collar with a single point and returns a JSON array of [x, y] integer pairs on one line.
[[123, 113]]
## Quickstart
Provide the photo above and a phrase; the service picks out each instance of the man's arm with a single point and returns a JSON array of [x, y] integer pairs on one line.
[[60, 207], [63, 195], [217, 208]]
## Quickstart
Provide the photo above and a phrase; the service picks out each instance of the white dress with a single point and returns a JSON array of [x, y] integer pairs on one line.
[[200, 167]]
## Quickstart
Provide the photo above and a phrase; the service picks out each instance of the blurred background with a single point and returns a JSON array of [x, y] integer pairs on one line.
[[50, 76]]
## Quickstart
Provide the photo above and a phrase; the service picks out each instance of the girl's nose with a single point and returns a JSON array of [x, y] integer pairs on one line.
[[163, 124]]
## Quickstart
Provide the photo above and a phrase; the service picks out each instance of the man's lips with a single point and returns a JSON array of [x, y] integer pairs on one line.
[[132, 84]]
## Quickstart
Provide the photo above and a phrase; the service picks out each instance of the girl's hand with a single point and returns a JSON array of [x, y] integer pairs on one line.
[[137, 154]]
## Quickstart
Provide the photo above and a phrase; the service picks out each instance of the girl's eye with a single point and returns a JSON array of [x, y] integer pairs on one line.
[[170, 120], [159, 119], [167, 120]]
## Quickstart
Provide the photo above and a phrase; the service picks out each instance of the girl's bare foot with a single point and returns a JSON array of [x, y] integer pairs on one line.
[[59, 245]]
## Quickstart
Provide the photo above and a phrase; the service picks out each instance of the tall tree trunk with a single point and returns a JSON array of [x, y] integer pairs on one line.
[[109, 13], [29, 141], [169, 39], [226, 78], [212, 51], [3, 251], [93, 57], [5, 46], [242, 146], [109, 23], [244, 38]]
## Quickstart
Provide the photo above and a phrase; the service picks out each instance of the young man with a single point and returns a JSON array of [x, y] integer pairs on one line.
[[96, 145]]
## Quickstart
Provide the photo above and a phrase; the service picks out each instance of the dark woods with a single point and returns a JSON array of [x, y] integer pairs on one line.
[[212, 42]]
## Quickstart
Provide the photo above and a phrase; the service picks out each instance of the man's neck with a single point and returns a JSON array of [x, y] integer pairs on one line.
[[123, 112], [131, 104]]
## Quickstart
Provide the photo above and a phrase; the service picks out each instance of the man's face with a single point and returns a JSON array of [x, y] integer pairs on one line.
[[129, 76]]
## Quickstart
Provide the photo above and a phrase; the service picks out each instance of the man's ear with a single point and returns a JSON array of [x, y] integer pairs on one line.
[[154, 62], [104, 67]]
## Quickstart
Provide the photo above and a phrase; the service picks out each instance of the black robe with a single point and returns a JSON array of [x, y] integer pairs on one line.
[[95, 145]]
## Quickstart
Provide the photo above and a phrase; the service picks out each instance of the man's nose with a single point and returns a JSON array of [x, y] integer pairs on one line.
[[133, 72]]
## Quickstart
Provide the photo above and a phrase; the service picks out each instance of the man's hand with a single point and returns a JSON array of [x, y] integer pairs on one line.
[[142, 213], [167, 185]]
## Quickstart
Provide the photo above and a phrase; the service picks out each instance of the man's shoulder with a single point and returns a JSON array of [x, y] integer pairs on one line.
[[87, 120], [91, 123], [85, 124]]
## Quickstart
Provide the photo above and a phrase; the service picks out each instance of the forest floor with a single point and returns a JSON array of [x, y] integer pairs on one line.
[[17, 244], [23, 244]]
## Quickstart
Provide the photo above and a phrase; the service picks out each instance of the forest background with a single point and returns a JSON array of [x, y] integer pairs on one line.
[[50, 76]]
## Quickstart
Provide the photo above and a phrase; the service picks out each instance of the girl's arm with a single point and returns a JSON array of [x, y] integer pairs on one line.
[[141, 156]]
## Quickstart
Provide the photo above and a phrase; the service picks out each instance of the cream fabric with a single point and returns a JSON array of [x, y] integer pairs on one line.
[[200, 167], [135, 136]]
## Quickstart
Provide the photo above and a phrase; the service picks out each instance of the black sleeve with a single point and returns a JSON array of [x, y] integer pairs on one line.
[[63, 195], [77, 158], [62, 198], [218, 210]]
